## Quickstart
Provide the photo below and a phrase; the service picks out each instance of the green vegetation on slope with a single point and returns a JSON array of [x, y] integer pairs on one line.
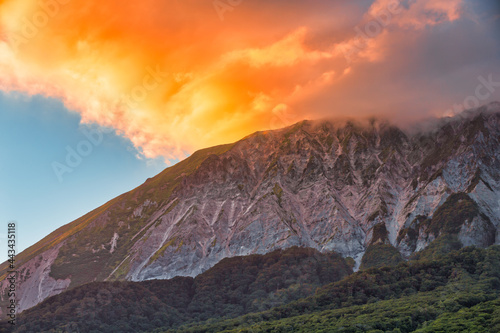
[[440, 246], [233, 287], [453, 213], [380, 255], [457, 293]]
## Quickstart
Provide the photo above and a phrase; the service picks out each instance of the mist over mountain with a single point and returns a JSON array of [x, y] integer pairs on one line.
[[370, 191]]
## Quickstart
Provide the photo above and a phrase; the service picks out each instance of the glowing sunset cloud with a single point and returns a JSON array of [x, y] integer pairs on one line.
[[174, 76]]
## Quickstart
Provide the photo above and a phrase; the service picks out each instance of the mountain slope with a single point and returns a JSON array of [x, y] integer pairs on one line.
[[332, 186], [457, 292], [233, 287]]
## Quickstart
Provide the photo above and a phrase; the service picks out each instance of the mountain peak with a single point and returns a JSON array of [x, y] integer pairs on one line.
[[343, 186]]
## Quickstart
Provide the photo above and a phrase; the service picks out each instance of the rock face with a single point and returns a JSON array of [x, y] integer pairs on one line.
[[326, 185]]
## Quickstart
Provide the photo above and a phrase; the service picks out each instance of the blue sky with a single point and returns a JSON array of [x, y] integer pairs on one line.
[[34, 133]]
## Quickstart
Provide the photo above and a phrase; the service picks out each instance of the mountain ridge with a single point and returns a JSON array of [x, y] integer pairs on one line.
[[315, 184]]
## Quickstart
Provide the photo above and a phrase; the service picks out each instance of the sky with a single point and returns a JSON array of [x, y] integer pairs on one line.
[[160, 79], [35, 133]]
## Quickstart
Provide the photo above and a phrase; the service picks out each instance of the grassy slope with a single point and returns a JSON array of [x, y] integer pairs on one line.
[[171, 176]]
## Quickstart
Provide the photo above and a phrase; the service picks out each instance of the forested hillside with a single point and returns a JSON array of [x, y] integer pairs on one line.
[[233, 287], [293, 290], [457, 293]]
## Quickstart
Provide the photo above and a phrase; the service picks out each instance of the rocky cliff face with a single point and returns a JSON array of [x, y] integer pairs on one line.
[[326, 185]]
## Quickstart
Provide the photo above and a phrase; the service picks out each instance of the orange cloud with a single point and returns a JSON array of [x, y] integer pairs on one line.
[[285, 52], [172, 77]]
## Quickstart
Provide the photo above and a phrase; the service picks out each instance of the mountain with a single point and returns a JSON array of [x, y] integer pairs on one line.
[[233, 287], [457, 292], [364, 190]]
